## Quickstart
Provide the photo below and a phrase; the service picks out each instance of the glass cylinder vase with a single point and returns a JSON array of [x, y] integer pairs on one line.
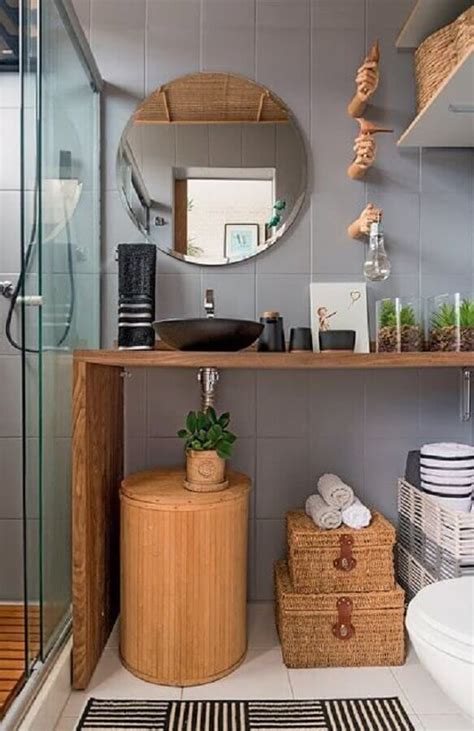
[[399, 325], [450, 322]]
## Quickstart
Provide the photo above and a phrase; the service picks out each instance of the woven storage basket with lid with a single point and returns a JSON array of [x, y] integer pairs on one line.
[[336, 630], [341, 559], [440, 53]]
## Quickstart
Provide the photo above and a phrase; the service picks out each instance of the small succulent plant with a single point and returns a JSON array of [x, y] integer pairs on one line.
[[388, 315], [206, 431], [466, 313], [446, 315], [276, 218]]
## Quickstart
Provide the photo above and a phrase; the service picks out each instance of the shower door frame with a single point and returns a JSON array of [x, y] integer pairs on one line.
[[80, 46]]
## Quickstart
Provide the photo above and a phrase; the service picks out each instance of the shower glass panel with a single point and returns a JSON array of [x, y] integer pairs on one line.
[[61, 125]]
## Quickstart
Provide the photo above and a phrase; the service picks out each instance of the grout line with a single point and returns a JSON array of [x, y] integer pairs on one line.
[[255, 39], [404, 697], [145, 51], [293, 694], [310, 174], [201, 34]]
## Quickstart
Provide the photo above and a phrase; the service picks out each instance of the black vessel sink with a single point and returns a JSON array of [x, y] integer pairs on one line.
[[212, 334]]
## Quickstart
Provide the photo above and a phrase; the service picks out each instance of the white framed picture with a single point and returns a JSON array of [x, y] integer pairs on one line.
[[340, 306], [241, 239]]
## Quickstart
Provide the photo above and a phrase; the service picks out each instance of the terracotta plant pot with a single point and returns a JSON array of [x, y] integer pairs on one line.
[[205, 471]]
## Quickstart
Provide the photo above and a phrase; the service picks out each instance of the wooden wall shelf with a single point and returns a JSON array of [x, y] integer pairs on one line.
[[448, 119], [251, 359]]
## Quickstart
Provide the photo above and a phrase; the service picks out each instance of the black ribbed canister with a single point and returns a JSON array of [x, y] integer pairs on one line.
[[136, 302]]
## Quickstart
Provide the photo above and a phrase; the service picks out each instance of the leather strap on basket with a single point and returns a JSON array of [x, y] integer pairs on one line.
[[343, 629], [346, 561]]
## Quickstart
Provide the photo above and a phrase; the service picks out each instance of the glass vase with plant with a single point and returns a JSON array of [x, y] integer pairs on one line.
[[399, 328], [451, 323], [208, 445]]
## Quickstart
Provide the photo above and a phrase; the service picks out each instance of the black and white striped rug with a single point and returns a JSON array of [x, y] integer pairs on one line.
[[367, 714]]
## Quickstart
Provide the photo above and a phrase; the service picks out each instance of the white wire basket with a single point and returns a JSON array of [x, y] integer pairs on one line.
[[440, 539], [411, 574]]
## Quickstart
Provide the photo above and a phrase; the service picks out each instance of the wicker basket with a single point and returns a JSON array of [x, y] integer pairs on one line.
[[335, 630], [441, 540], [342, 559], [440, 53], [411, 574]]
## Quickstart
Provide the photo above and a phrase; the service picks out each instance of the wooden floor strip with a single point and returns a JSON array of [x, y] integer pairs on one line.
[[12, 648]]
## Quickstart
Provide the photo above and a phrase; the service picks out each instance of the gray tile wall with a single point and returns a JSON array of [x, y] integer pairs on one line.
[[10, 364], [294, 426]]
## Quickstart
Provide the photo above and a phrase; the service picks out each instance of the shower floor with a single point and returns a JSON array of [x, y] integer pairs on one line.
[[13, 648]]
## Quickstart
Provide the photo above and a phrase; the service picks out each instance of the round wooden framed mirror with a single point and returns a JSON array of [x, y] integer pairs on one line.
[[212, 168]]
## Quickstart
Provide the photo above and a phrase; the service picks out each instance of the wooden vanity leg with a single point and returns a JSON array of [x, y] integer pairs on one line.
[[97, 474]]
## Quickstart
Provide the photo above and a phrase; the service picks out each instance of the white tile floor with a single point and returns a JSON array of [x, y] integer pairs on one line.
[[263, 675]]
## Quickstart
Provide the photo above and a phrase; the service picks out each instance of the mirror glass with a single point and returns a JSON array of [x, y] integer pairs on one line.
[[212, 168]]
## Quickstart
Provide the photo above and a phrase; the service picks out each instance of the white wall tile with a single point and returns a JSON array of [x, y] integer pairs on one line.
[[228, 36], [118, 40], [10, 412], [287, 293], [83, 12], [283, 53], [9, 149], [117, 228], [172, 41], [11, 571], [10, 89], [283, 475], [11, 487]]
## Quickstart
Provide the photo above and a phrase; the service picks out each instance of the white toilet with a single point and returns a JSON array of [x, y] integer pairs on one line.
[[440, 622]]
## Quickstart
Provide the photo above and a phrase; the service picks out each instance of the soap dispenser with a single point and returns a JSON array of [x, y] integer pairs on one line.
[[377, 265]]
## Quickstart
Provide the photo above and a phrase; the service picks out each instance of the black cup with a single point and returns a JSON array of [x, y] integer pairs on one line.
[[300, 339], [272, 339], [337, 340]]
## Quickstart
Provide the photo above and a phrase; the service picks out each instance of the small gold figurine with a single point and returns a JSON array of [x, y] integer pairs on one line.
[[367, 81], [360, 228]]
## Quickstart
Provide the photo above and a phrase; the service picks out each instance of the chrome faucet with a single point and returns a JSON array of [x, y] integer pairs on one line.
[[209, 304]]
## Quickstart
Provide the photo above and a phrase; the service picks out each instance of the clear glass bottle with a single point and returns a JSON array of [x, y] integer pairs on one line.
[[377, 265]]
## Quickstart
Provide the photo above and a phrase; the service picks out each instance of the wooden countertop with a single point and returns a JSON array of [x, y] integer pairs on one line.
[[251, 359]]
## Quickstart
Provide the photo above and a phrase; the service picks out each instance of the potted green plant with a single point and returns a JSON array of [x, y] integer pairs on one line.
[[399, 328], [451, 324], [208, 445]]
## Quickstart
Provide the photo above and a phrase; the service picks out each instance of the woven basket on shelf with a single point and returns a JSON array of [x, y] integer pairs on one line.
[[335, 630], [440, 53], [341, 559], [442, 540]]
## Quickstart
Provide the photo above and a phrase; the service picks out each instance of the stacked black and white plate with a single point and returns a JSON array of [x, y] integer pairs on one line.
[[447, 474]]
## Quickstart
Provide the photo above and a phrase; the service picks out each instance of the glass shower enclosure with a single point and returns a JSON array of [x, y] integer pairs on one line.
[[55, 303]]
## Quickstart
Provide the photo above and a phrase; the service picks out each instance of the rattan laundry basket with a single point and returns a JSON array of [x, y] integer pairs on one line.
[[413, 577], [334, 630], [342, 559], [440, 53], [442, 540]]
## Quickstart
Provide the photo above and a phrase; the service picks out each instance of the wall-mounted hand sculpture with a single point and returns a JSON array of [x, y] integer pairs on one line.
[[360, 228], [367, 80], [364, 148]]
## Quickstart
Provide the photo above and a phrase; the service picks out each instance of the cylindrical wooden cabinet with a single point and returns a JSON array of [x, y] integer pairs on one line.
[[183, 578]]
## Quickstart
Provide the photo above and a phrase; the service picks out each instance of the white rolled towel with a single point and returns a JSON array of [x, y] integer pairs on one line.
[[323, 515], [356, 515], [335, 492]]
